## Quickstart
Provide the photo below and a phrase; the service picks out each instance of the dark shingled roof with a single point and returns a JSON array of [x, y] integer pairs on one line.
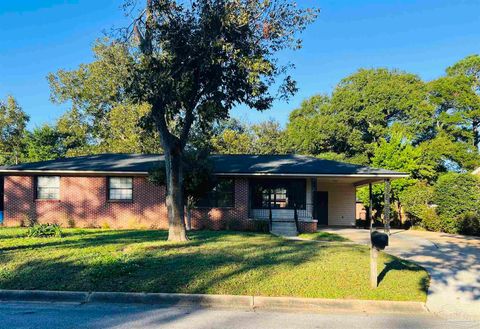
[[95, 163], [223, 164]]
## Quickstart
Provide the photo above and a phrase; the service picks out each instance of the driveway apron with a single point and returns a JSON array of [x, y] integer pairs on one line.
[[452, 261]]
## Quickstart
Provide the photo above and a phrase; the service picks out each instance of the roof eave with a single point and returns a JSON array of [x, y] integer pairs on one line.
[[144, 173], [313, 175]]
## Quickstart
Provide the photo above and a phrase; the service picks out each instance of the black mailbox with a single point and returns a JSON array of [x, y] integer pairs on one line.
[[379, 240]]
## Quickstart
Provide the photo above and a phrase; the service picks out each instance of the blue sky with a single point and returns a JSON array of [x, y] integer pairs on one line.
[[422, 37]]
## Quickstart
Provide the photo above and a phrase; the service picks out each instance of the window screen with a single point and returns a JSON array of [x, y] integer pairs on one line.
[[48, 187], [222, 195], [281, 193], [120, 188]]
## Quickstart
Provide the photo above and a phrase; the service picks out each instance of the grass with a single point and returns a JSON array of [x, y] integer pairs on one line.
[[323, 236], [211, 262]]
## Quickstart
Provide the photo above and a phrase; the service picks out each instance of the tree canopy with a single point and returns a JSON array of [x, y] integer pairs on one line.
[[102, 118], [13, 124], [195, 61]]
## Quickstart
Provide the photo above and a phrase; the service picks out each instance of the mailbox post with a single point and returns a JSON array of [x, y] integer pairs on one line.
[[378, 242], [373, 267]]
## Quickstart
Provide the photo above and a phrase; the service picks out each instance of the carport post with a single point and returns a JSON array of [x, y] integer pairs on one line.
[[386, 209], [373, 250], [370, 206]]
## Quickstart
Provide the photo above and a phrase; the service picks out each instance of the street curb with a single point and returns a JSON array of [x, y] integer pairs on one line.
[[338, 305], [224, 301], [44, 296], [218, 301]]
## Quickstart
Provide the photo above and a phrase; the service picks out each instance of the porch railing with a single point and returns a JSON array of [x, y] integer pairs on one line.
[[270, 218], [295, 217], [280, 214]]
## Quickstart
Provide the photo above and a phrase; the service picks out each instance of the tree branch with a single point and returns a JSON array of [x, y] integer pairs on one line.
[[189, 117]]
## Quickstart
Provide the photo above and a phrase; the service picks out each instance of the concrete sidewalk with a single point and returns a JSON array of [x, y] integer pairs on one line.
[[453, 262]]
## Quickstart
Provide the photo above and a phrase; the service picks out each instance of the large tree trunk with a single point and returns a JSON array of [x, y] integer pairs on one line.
[[175, 202]]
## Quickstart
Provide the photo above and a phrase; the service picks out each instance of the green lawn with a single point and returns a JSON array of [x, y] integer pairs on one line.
[[211, 262], [323, 236]]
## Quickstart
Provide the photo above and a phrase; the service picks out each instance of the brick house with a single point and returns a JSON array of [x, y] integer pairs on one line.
[[113, 190]]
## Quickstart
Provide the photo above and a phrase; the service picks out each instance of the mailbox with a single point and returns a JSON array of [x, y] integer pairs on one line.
[[379, 240]]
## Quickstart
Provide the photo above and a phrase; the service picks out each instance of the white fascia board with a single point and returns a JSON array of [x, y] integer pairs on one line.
[[392, 176]]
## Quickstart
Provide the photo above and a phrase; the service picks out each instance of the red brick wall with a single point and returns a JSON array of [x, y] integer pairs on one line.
[[307, 227], [221, 218], [83, 200]]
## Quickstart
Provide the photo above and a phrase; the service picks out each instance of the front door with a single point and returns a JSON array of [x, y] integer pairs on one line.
[[321, 207]]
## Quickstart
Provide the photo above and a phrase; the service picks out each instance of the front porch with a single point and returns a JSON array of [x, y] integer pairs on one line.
[[303, 204]]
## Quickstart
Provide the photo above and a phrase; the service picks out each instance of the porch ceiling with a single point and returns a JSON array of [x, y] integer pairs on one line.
[[357, 181]]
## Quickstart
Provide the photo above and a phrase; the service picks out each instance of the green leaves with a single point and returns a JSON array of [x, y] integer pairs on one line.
[[198, 178], [208, 56], [44, 143], [264, 138], [456, 194], [102, 118], [13, 122], [44, 231]]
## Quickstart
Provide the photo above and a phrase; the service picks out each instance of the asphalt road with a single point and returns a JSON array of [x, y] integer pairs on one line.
[[43, 315]]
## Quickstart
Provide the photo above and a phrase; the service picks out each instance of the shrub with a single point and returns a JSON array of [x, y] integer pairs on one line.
[[415, 200], [44, 231], [27, 221], [366, 223], [134, 223], [105, 225], [469, 224], [71, 222], [429, 219], [456, 195], [260, 226]]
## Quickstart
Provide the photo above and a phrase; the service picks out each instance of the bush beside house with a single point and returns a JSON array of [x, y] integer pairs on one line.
[[452, 205]]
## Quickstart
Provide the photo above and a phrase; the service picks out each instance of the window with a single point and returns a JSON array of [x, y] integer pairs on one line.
[[120, 188], [221, 196], [278, 194], [48, 187]]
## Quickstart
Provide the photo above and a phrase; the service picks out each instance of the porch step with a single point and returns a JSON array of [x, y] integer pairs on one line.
[[284, 228]]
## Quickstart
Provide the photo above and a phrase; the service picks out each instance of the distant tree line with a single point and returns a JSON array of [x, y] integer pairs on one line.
[[378, 117]]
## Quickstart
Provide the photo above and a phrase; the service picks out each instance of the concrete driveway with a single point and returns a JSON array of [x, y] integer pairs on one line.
[[453, 262]]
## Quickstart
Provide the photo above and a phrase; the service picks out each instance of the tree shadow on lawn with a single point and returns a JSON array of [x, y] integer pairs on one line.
[[169, 267], [86, 239], [211, 262], [397, 264]]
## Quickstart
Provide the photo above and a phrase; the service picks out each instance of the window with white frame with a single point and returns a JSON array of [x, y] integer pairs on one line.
[[120, 188], [48, 187]]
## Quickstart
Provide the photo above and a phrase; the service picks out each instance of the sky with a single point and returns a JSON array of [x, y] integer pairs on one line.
[[422, 37]]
